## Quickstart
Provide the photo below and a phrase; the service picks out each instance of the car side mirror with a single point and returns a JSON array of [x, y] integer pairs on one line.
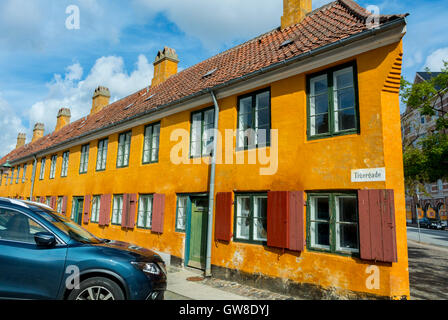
[[45, 239]]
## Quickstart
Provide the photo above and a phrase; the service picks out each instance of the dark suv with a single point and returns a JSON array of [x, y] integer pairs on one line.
[[44, 255]]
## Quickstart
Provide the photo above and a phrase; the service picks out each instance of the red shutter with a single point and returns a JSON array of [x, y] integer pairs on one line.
[[277, 219], [125, 212], [223, 216], [296, 218], [132, 210], [64, 205], [129, 206], [33, 199], [86, 217], [105, 203], [377, 232], [42, 199], [285, 220], [53, 202], [158, 213]]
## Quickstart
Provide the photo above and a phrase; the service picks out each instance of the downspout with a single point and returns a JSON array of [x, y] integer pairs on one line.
[[211, 195], [33, 177]]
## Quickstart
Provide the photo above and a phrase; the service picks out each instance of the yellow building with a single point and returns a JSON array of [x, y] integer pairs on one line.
[[306, 184]]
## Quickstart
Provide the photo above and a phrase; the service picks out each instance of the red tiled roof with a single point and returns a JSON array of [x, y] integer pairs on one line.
[[328, 24]]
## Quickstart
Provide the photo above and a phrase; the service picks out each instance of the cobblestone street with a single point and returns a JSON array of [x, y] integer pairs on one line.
[[428, 268]]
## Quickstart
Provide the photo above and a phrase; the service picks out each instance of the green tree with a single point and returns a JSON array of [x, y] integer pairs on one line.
[[427, 96], [428, 161]]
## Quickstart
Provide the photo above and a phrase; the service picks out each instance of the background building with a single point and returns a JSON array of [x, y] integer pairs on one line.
[[433, 202]]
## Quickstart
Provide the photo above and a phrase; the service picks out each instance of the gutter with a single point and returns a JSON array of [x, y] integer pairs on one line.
[[211, 195], [340, 43]]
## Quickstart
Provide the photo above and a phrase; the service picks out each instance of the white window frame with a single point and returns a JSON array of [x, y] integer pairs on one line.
[[96, 207], [54, 159], [145, 207], [117, 209]]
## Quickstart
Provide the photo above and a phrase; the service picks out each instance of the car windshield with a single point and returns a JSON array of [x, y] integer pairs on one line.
[[69, 227]]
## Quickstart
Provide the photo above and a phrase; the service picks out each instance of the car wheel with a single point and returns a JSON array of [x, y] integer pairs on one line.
[[97, 289]]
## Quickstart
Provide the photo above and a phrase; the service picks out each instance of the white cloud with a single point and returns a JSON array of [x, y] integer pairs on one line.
[[218, 22], [435, 60], [72, 92], [11, 125]]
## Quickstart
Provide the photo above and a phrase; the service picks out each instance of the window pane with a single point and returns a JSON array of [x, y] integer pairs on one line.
[[319, 124], [155, 143], [16, 226], [243, 218], [347, 236], [320, 208], [320, 234], [245, 121], [319, 85], [319, 104], [196, 134], [346, 120], [347, 209], [181, 213], [262, 100], [343, 78], [246, 105], [345, 99], [148, 211], [243, 228], [260, 218], [262, 117]]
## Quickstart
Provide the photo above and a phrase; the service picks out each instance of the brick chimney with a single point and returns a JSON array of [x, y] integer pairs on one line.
[[165, 65], [64, 116], [21, 140], [38, 131], [294, 11], [100, 99]]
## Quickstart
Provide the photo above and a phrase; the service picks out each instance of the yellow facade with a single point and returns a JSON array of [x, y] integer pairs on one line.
[[323, 164]]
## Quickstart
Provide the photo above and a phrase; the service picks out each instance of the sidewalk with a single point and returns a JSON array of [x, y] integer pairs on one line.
[[179, 288]]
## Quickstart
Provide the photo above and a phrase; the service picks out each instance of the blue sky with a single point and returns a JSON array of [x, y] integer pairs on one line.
[[44, 66]]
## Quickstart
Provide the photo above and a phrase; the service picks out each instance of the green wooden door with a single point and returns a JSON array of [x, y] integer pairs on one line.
[[198, 232], [77, 208]]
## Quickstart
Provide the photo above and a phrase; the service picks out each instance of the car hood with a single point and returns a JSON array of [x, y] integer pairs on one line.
[[140, 253]]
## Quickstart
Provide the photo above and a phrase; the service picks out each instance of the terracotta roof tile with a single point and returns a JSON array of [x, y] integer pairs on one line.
[[328, 24]]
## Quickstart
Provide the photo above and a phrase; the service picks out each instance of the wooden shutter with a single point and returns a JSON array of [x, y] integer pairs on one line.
[[42, 200], [105, 203], [296, 226], [285, 220], [64, 205], [377, 232], [129, 207], [278, 230], [53, 202], [86, 215], [132, 210], [158, 213], [125, 212], [223, 216]]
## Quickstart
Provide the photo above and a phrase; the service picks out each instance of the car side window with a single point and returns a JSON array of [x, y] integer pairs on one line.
[[15, 226]]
